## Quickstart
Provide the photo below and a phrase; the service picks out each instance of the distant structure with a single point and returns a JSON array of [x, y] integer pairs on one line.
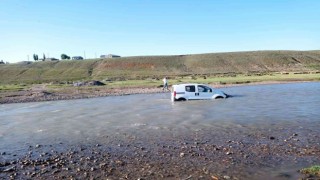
[[1, 62], [77, 58], [51, 59], [110, 56], [25, 62]]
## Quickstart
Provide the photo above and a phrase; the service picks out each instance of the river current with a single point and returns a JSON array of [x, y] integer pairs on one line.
[[77, 121]]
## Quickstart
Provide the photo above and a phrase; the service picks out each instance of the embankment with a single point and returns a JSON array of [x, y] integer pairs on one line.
[[157, 66]]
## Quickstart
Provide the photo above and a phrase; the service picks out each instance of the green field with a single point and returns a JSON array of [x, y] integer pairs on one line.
[[151, 83], [238, 79], [218, 67]]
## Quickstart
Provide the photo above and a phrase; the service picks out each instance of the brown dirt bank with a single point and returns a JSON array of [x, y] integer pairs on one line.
[[39, 93]]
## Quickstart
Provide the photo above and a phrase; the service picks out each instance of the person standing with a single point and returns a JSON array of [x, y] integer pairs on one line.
[[165, 83]]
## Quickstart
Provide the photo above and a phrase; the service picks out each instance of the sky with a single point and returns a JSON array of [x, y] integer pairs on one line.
[[91, 28]]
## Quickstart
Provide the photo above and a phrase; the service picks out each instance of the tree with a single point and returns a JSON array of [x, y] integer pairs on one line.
[[35, 57], [64, 56]]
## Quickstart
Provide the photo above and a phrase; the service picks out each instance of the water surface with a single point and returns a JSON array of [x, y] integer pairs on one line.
[[251, 108]]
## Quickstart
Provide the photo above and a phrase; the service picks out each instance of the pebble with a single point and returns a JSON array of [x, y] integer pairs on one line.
[[102, 165], [226, 177]]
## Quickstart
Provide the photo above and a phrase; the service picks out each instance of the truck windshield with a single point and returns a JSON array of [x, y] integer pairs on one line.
[[204, 89]]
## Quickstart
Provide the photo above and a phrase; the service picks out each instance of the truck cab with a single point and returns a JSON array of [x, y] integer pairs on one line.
[[183, 92]]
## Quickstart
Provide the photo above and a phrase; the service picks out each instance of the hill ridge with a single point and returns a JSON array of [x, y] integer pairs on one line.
[[157, 66]]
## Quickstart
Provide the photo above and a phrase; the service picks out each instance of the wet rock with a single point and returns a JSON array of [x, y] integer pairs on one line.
[[10, 169], [272, 138], [13, 176], [120, 163], [55, 171], [38, 146], [284, 175], [182, 154], [3, 153], [214, 177]]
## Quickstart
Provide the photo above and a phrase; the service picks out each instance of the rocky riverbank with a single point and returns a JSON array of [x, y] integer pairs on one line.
[[190, 155], [45, 94]]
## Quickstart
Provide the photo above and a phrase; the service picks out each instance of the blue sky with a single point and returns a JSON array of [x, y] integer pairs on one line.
[[150, 27]]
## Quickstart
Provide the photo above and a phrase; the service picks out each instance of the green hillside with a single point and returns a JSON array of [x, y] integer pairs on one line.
[[158, 66]]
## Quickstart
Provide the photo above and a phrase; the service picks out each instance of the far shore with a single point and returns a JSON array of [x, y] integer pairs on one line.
[[43, 92]]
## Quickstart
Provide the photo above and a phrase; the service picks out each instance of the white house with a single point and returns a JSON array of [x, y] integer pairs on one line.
[[110, 56]]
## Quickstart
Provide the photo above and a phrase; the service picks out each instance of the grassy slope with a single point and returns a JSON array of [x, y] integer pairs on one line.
[[158, 66]]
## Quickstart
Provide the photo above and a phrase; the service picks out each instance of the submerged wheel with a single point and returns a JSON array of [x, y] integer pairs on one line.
[[181, 99]]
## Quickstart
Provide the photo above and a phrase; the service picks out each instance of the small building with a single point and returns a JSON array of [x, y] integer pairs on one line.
[[1, 62], [51, 59], [110, 56], [77, 58], [25, 62]]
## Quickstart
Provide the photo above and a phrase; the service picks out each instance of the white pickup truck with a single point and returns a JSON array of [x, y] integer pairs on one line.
[[183, 92]]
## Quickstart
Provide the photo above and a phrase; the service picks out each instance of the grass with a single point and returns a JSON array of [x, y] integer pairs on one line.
[[13, 87], [235, 79], [239, 79], [313, 170]]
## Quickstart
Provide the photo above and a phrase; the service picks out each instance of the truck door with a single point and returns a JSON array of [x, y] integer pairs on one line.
[[191, 92], [204, 92]]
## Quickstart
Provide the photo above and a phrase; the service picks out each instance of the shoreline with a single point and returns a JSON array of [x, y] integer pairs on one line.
[[41, 93]]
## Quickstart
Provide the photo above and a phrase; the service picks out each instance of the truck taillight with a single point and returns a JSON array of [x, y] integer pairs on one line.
[[174, 93]]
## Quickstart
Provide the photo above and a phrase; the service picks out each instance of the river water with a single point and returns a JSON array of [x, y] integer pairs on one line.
[[252, 108]]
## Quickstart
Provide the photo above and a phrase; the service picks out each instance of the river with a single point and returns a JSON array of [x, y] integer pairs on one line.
[[268, 109]]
